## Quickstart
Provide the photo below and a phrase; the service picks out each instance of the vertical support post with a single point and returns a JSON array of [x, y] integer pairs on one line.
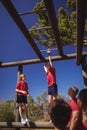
[[84, 71], [17, 118], [80, 17], [20, 68]]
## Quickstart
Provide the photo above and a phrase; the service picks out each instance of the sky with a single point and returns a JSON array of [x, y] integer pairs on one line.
[[14, 47]]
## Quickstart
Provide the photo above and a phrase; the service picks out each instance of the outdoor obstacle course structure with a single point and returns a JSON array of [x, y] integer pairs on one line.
[[38, 125], [79, 55]]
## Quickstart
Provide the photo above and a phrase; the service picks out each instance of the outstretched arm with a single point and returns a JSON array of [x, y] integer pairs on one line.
[[49, 56], [45, 68]]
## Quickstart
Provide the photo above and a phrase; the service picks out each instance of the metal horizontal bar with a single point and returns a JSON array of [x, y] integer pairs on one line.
[[47, 27], [53, 49], [31, 12]]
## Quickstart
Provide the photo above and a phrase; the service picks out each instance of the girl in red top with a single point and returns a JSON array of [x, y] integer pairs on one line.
[[51, 79], [22, 92], [76, 118], [82, 102]]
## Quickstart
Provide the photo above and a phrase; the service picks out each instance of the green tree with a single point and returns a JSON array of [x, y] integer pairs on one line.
[[66, 25], [7, 111], [35, 109], [42, 100], [44, 34], [38, 100], [71, 4], [45, 104]]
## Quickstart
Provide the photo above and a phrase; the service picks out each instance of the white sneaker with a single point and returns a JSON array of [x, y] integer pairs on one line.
[[27, 119], [23, 121], [50, 121]]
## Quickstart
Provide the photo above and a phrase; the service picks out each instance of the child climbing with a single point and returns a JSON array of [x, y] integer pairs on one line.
[[51, 79]]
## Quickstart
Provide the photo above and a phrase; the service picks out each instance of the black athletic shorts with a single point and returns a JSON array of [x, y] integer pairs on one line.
[[52, 90], [21, 99]]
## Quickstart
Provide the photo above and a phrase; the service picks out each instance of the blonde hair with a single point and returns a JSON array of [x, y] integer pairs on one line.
[[21, 76]]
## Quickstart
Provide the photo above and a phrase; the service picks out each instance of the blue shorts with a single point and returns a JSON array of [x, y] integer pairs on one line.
[[21, 99], [52, 90]]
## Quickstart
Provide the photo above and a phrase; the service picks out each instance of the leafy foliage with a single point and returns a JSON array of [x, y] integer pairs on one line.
[[45, 34], [37, 110], [7, 111], [66, 25]]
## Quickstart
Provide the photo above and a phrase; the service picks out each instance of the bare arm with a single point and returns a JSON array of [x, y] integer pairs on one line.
[[21, 91], [49, 56], [45, 68], [50, 61], [74, 121]]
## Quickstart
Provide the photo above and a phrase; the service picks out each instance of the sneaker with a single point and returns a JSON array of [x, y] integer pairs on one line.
[[23, 121], [27, 119], [50, 121]]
